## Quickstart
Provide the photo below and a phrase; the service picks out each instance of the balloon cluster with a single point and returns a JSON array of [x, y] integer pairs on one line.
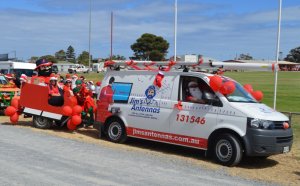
[[258, 95], [75, 114], [12, 110], [216, 83]]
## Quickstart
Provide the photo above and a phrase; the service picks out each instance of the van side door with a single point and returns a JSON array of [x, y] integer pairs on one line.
[[193, 121]]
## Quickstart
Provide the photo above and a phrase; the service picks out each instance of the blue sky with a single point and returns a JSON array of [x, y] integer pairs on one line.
[[217, 28]]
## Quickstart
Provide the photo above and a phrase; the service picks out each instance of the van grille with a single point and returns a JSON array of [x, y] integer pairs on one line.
[[279, 124], [284, 139]]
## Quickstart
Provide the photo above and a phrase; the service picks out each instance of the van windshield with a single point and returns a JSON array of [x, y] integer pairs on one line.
[[18, 72], [240, 95]]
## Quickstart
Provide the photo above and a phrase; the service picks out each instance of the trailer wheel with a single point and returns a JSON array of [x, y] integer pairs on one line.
[[116, 131], [41, 122], [228, 150]]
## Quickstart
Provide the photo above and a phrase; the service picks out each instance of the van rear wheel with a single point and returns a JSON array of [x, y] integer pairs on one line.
[[228, 150], [41, 122], [116, 131]]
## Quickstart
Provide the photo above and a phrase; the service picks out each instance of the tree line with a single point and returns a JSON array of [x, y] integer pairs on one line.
[[147, 47]]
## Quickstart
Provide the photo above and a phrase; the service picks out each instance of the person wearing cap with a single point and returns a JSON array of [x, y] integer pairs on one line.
[[68, 87], [92, 88], [55, 93], [79, 92], [74, 79], [193, 93], [44, 70], [23, 78]]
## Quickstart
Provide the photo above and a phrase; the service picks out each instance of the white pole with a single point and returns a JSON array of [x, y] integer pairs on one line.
[[277, 53], [90, 26], [175, 32]]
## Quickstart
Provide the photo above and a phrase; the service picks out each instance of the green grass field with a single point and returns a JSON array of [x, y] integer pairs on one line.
[[288, 88]]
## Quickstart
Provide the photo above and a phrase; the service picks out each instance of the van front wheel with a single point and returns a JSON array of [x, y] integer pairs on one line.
[[116, 131], [228, 150]]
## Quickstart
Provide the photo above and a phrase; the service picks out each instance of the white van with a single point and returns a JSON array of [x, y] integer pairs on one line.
[[228, 127], [98, 67], [18, 68]]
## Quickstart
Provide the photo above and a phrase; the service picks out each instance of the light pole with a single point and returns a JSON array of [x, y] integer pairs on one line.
[[90, 26], [277, 54], [175, 32]]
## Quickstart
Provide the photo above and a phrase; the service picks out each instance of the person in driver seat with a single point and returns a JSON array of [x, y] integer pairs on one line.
[[193, 93]]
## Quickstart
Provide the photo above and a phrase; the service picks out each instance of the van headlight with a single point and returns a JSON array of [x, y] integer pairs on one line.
[[260, 123]]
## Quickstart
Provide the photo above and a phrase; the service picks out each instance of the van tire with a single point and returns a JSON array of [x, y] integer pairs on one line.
[[227, 150], [116, 131], [41, 122]]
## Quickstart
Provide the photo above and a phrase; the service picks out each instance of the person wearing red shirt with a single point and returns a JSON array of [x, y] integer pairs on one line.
[[55, 93]]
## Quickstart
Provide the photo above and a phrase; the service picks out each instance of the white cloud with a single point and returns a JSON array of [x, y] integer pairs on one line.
[[217, 35]]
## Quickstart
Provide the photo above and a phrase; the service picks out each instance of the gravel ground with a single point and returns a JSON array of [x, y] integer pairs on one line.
[[31, 158]]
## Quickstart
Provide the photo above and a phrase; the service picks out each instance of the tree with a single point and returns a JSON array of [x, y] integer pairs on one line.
[[70, 54], [33, 59], [294, 55], [60, 55], [150, 47], [116, 57], [49, 58], [83, 58], [245, 57]]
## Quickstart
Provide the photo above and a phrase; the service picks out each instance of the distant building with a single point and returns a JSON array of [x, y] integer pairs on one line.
[[283, 65], [62, 67]]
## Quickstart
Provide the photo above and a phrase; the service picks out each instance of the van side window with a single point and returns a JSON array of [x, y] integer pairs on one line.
[[195, 90]]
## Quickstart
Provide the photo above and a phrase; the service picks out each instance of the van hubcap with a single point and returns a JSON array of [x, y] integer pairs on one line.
[[224, 150], [115, 131]]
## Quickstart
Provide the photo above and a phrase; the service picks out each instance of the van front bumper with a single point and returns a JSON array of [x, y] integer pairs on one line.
[[259, 142]]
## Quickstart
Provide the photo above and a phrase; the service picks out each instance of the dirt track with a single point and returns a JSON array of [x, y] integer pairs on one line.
[[282, 169]]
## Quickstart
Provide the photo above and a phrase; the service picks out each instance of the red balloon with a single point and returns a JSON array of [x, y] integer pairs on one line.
[[227, 88], [76, 120], [73, 100], [258, 95], [248, 88], [286, 125], [230, 87], [223, 90], [14, 118], [70, 125], [15, 102], [10, 110], [77, 110], [215, 82], [67, 111]]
